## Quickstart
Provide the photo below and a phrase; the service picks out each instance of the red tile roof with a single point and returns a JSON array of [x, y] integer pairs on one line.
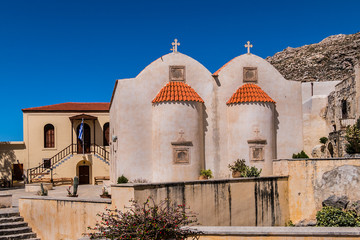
[[249, 93], [71, 107], [177, 91]]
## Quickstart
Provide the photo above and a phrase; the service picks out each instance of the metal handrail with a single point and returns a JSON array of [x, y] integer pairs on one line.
[[102, 152], [71, 149]]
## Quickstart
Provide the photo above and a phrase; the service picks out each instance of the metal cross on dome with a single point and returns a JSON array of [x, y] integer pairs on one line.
[[175, 45], [248, 46]]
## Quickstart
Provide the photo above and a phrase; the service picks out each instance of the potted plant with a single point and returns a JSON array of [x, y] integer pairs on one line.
[[105, 193], [237, 168], [205, 174]]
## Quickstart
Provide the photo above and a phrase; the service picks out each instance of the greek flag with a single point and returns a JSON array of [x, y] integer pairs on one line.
[[81, 130]]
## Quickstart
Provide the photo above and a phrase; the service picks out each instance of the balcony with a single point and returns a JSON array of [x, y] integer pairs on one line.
[[347, 122]]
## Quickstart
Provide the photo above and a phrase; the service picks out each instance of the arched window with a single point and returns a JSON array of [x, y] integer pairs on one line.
[[344, 109], [106, 134], [49, 136]]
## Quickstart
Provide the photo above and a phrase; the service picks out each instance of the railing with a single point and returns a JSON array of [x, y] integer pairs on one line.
[[101, 151], [347, 122], [71, 149]]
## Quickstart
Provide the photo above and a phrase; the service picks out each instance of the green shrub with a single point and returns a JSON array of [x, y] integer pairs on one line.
[[146, 221], [206, 173], [301, 154], [122, 179], [353, 138], [323, 140], [243, 169], [251, 172], [336, 217]]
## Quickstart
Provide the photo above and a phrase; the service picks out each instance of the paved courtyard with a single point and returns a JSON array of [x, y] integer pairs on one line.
[[84, 191]]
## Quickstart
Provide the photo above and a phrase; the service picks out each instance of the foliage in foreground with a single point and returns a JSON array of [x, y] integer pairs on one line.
[[301, 154], [243, 169], [146, 221], [336, 217], [353, 138]]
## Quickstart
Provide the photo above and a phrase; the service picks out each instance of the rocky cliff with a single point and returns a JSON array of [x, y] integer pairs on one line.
[[331, 59]]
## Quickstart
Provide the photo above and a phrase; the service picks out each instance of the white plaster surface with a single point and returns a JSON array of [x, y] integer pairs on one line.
[[256, 117], [318, 88], [135, 121], [168, 120]]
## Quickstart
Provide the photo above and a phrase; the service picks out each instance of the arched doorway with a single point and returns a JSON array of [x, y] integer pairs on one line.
[[86, 137], [84, 171], [106, 134], [331, 149]]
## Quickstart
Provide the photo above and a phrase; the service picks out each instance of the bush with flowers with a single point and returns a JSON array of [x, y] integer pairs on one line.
[[146, 221]]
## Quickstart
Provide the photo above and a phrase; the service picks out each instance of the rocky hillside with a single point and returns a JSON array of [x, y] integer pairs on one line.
[[331, 59]]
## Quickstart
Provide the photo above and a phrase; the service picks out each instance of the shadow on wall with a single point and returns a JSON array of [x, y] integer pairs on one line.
[[7, 158]]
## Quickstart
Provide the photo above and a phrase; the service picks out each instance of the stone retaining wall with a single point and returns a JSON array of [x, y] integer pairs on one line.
[[227, 202], [61, 218], [311, 181]]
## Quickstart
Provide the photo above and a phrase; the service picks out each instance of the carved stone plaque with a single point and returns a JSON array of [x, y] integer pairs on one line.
[[177, 73], [250, 74], [257, 153], [257, 149], [181, 155]]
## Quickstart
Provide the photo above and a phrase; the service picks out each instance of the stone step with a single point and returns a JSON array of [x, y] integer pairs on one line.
[[11, 219], [11, 225], [29, 236], [9, 213], [11, 231]]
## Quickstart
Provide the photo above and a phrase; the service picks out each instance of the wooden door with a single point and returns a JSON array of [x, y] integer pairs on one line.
[[18, 171], [84, 175], [87, 140]]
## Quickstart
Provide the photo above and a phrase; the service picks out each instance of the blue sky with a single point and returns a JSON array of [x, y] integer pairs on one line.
[[73, 51]]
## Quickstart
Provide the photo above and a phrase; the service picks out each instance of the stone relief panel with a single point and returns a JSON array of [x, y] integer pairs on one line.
[[177, 73], [250, 74], [181, 149], [181, 155], [257, 149]]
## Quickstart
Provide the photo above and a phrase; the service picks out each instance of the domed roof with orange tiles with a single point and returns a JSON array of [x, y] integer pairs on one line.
[[249, 93], [177, 91]]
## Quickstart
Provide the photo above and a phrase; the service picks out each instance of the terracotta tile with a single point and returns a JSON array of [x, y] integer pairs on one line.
[[249, 93], [177, 91]]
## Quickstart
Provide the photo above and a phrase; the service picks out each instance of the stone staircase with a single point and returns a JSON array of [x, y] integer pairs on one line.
[[12, 226]]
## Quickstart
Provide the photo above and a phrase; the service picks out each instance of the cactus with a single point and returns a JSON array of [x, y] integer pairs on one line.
[[43, 191], [75, 185]]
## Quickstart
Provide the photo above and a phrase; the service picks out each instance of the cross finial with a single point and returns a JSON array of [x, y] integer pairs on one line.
[[175, 45], [248, 46]]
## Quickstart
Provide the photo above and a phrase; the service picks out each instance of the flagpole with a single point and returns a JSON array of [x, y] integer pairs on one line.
[[83, 137]]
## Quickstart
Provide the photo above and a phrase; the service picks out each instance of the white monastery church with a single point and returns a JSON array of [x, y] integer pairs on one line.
[[176, 118]]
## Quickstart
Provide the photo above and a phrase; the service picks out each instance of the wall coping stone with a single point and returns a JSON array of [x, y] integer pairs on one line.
[[278, 231], [317, 159], [69, 199], [208, 181], [5, 195]]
